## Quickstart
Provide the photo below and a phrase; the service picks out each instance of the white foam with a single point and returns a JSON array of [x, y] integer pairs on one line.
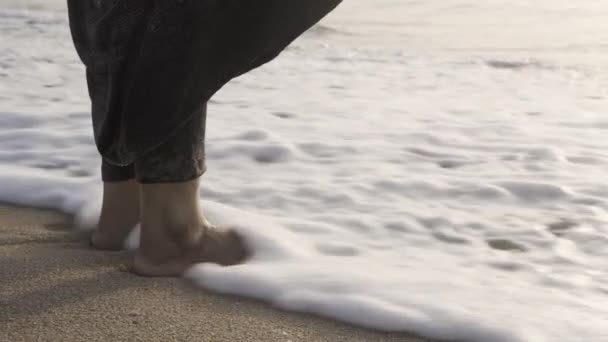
[[407, 167]]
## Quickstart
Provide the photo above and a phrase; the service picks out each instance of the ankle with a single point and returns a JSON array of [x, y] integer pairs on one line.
[[171, 220], [119, 214], [163, 242], [120, 199], [175, 203]]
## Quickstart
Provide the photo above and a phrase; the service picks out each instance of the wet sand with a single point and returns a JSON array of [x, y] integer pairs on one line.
[[54, 288]]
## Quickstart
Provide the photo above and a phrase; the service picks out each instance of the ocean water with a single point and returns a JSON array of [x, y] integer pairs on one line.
[[433, 167]]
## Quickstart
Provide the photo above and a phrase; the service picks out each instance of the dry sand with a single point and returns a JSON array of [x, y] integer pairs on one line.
[[54, 288]]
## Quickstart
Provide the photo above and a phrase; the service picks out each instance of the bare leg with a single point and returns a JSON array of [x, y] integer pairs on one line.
[[175, 235], [119, 214]]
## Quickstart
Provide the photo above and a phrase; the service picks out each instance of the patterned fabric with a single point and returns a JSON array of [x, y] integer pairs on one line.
[[152, 64], [179, 159]]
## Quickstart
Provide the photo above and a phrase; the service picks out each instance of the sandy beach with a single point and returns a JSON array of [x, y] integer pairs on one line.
[[54, 288], [432, 167]]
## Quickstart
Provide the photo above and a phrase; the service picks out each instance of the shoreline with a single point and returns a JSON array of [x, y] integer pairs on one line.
[[53, 287]]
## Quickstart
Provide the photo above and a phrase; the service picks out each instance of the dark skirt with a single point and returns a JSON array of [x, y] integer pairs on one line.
[[152, 64]]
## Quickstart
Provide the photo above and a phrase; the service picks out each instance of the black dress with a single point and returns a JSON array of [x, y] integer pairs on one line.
[[153, 64]]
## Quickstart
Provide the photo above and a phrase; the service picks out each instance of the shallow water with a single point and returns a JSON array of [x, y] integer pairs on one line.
[[433, 167]]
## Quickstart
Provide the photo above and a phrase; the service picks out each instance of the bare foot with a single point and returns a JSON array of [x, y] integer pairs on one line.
[[119, 214], [224, 247], [175, 235]]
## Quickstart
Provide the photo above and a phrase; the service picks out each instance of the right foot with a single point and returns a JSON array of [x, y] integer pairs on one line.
[[119, 215]]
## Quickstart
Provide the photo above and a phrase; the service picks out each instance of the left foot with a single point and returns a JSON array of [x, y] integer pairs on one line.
[[119, 215], [223, 247], [175, 234]]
